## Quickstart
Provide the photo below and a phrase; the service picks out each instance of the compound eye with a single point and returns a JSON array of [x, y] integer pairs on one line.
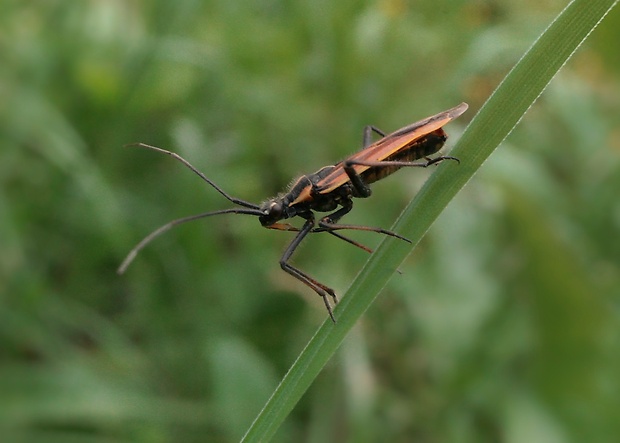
[[275, 209]]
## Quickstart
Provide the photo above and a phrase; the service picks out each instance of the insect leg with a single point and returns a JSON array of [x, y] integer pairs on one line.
[[326, 226], [347, 205], [362, 188], [368, 130], [329, 223], [429, 161], [288, 227], [349, 240], [354, 243], [317, 287]]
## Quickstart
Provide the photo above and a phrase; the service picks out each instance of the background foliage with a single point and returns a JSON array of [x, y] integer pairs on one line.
[[502, 326]]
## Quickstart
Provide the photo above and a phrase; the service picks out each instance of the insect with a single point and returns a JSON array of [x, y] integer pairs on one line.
[[331, 188]]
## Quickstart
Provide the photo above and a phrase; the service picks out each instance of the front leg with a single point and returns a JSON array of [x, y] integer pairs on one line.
[[317, 287]]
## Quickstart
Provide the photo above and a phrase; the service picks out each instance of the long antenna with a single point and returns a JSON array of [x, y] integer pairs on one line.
[[157, 232], [176, 156]]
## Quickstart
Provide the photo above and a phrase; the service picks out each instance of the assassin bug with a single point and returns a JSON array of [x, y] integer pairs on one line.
[[331, 188]]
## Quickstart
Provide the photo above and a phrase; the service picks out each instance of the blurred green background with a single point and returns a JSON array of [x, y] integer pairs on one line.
[[504, 325]]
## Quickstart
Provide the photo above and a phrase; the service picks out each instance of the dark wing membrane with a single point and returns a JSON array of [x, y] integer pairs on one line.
[[388, 145]]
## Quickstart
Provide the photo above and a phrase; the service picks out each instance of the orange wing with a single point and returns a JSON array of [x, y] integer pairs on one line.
[[389, 145]]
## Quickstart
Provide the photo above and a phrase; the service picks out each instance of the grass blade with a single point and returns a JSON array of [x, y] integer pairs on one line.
[[495, 120]]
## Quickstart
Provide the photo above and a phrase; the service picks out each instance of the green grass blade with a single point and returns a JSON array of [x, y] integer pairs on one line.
[[495, 120]]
